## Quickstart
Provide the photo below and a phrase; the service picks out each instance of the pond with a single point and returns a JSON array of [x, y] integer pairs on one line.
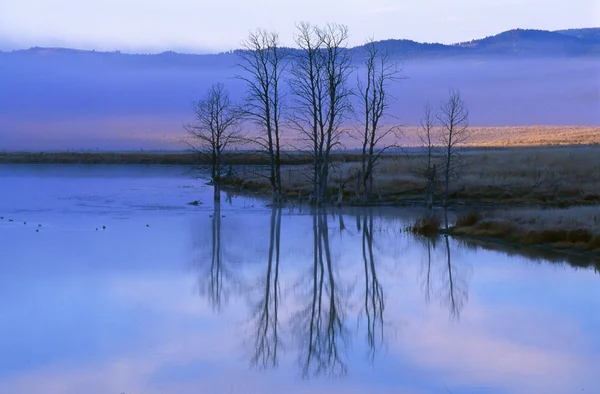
[[112, 283]]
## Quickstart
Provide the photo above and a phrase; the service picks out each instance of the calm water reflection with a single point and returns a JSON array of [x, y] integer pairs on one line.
[[245, 298], [325, 309]]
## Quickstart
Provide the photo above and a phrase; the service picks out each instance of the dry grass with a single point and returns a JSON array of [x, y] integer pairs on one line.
[[526, 136], [426, 226], [539, 254], [497, 136], [534, 136], [570, 228], [559, 176]]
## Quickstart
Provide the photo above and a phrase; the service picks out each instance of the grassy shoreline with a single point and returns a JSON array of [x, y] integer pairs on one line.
[[569, 229], [567, 234], [512, 177], [544, 196], [574, 257]]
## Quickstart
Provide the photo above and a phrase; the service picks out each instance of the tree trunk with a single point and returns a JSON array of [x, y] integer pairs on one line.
[[217, 191], [340, 194], [431, 177], [447, 177], [357, 193], [278, 172]]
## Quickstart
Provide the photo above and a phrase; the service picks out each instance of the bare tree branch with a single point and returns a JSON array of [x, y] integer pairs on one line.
[[217, 128], [263, 64], [319, 85], [453, 117], [373, 91]]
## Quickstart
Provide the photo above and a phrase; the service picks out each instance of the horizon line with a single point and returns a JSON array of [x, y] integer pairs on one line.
[[230, 51]]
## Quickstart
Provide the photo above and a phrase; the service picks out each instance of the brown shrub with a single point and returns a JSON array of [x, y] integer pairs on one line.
[[497, 229], [468, 220], [594, 244], [506, 196], [581, 235], [591, 197], [426, 226], [545, 236]]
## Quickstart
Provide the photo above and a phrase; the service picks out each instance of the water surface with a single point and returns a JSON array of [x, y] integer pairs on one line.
[[112, 283]]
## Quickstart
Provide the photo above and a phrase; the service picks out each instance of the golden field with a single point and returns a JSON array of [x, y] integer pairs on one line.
[[525, 135]]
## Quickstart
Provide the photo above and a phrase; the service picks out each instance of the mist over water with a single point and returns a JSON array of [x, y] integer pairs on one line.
[[119, 102]]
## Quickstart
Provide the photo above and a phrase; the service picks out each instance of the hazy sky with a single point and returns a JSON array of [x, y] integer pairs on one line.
[[200, 25]]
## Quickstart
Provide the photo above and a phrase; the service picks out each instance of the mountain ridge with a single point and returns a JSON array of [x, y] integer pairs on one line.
[[569, 42]]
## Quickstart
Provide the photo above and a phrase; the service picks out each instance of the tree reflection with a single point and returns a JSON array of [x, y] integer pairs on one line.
[[443, 277], [430, 243], [265, 319], [215, 279], [374, 298], [455, 287], [455, 283], [320, 325]]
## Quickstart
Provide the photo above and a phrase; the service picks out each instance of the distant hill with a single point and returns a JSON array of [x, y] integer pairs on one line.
[[413, 49], [535, 42], [591, 34], [517, 42], [60, 57]]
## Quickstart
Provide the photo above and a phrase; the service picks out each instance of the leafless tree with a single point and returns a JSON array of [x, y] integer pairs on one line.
[[320, 92], [427, 168], [453, 118], [380, 72], [216, 129], [266, 311], [263, 63]]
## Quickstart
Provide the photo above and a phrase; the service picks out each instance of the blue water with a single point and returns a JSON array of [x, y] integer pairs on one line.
[[244, 298]]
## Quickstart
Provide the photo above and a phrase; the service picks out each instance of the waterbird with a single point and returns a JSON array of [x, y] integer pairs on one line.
[[10, 220], [147, 225], [39, 225], [103, 227], [37, 230]]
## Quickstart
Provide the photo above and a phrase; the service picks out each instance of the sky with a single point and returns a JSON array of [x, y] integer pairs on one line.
[[214, 26]]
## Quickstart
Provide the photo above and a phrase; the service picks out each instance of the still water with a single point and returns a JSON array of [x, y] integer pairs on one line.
[[245, 298]]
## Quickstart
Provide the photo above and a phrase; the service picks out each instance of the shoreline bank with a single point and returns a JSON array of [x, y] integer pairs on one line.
[[521, 187]]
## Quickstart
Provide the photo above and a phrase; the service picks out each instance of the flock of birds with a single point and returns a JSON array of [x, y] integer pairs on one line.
[[37, 230], [25, 223]]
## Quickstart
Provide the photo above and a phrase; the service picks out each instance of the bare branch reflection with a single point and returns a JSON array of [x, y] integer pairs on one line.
[[322, 336], [215, 279], [456, 288], [265, 318], [453, 277], [374, 297], [427, 284]]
